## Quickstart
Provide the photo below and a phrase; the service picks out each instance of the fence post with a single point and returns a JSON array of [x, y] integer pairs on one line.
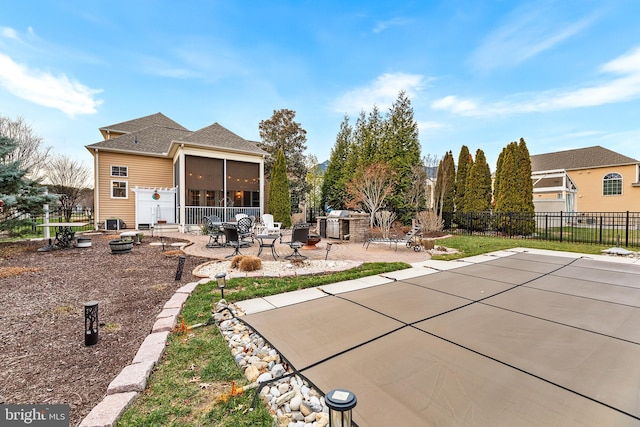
[[546, 226], [626, 235], [600, 227], [561, 226]]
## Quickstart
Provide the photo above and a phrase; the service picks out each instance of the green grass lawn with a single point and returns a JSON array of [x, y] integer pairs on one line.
[[475, 245], [197, 368]]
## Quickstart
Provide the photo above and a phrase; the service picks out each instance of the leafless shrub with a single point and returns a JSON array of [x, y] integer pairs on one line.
[[385, 220], [429, 221]]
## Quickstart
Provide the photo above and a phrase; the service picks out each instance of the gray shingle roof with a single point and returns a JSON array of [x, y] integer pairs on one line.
[[216, 136], [134, 125], [154, 135], [581, 158], [150, 140]]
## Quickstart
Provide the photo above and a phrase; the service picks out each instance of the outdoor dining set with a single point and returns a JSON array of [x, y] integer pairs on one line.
[[246, 230]]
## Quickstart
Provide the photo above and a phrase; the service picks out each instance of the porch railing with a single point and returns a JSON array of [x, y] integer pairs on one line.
[[195, 214]]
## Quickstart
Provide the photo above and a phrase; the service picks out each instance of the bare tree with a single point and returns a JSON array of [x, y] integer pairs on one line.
[[369, 188], [430, 162], [29, 153], [416, 195], [68, 178]]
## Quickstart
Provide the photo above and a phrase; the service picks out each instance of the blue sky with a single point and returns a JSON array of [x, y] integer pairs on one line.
[[562, 74]]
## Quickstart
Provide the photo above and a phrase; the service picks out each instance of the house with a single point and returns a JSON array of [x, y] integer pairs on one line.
[[592, 179], [152, 169]]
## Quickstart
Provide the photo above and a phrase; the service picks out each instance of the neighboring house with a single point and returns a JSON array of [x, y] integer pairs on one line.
[[153, 169], [592, 179]]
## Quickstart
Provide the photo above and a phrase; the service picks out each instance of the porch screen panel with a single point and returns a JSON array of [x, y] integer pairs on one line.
[[204, 181], [243, 183]]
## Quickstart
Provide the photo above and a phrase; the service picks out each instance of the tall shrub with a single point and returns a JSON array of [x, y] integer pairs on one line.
[[477, 199], [279, 197], [514, 190]]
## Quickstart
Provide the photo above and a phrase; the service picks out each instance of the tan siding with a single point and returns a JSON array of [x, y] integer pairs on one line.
[[590, 198], [143, 171]]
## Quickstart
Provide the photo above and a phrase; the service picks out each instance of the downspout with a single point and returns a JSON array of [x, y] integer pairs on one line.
[[96, 190]]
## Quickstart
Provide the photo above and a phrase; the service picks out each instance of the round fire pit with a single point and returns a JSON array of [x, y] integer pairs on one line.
[[312, 242]]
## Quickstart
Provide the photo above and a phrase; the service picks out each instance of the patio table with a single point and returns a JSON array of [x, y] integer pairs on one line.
[[64, 234], [268, 241]]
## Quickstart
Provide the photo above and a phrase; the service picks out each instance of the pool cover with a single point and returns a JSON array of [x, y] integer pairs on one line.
[[522, 340]]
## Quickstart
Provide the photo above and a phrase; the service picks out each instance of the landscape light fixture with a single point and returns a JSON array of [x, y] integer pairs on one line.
[[221, 278], [340, 403], [91, 323]]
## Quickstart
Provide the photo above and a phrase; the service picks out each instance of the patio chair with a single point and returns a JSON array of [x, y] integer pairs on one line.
[[240, 216], [270, 227], [410, 239], [299, 238], [245, 228], [213, 225], [232, 238]]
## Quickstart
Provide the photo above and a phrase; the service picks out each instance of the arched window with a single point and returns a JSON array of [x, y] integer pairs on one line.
[[612, 184]]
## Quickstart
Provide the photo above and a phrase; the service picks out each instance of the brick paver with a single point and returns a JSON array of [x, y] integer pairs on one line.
[[340, 250]]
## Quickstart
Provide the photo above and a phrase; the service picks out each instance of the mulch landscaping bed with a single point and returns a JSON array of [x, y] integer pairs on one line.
[[43, 358]]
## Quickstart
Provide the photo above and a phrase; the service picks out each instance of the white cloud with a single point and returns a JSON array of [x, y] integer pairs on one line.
[[530, 30], [625, 87], [383, 25], [9, 33], [425, 125], [454, 104], [382, 92], [42, 88]]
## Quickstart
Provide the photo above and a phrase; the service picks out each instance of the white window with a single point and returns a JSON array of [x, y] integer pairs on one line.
[[612, 184], [119, 171], [119, 190]]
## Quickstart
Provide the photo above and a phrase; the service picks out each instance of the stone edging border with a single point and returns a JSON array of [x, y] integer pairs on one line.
[[132, 380]]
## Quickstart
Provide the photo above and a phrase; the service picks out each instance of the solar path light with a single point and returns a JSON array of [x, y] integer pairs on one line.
[[340, 403], [221, 278]]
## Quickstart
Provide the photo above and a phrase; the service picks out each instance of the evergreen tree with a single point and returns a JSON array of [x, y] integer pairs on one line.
[[367, 136], [477, 196], [506, 190], [464, 164], [400, 149], [445, 188], [334, 193], [498, 178], [279, 196], [20, 196], [281, 132], [525, 184], [514, 189]]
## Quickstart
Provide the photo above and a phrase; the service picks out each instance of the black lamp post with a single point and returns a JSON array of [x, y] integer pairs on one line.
[[340, 403], [91, 323], [221, 278]]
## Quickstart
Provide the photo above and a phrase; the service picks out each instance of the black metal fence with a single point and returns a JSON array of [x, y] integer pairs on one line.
[[602, 228], [27, 226]]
